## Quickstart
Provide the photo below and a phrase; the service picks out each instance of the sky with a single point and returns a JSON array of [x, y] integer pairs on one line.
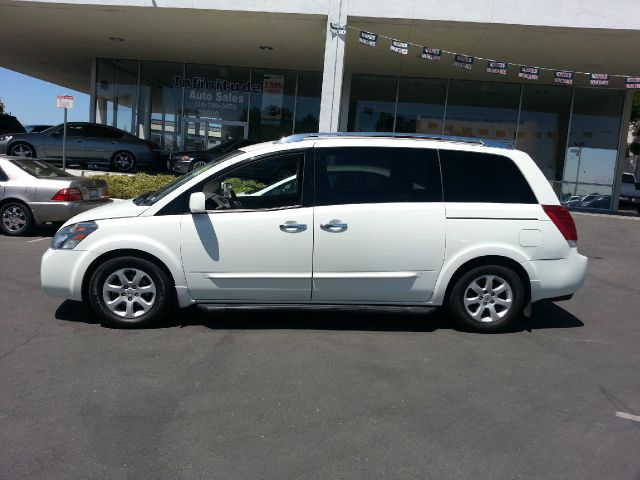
[[33, 101]]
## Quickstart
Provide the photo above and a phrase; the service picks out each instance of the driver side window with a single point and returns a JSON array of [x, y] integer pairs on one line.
[[274, 182]]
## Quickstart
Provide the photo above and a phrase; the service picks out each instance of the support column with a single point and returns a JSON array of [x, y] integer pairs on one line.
[[92, 90], [333, 71]]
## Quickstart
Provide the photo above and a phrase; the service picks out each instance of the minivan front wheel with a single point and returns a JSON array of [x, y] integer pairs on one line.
[[487, 298], [130, 292]]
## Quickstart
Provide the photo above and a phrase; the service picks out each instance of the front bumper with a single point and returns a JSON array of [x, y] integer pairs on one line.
[[62, 211], [62, 271], [558, 278]]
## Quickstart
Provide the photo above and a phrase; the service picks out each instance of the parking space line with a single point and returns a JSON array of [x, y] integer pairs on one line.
[[628, 416], [38, 239]]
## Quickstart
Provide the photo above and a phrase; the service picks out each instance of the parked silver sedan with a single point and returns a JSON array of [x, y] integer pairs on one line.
[[33, 192], [87, 143]]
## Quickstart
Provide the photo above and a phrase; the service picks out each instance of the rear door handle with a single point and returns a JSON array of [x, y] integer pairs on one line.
[[334, 226], [292, 227]]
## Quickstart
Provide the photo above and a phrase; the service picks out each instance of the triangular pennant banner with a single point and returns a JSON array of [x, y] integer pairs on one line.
[[431, 53], [497, 68], [368, 38], [599, 79], [530, 73], [463, 61], [633, 82], [563, 77], [399, 47]]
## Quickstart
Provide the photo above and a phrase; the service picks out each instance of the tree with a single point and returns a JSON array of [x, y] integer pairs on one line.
[[1, 106]]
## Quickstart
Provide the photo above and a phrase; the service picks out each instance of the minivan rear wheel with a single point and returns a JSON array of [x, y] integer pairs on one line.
[[487, 298], [130, 292]]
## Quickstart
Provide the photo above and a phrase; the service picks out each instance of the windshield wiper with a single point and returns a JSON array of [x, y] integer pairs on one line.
[[141, 199]]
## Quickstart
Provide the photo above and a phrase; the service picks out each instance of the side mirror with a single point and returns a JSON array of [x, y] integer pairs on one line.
[[197, 203]]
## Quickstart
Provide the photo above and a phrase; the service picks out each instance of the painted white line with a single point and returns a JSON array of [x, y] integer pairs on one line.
[[39, 239], [628, 416]]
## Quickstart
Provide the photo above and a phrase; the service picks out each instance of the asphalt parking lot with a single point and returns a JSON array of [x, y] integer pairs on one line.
[[285, 394]]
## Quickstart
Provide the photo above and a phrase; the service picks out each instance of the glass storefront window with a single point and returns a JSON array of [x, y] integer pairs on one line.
[[308, 102], [272, 105], [372, 104], [160, 104], [420, 105], [543, 127], [594, 136], [116, 93], [577, 195], [482, 109]]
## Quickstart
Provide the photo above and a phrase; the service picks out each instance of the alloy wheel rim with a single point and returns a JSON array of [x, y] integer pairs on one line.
[[14, 219], [123, 161], [21, 151], [488, 298], [198, 164], [129, 293]]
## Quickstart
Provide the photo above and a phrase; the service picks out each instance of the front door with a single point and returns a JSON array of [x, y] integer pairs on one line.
[[203, 133], [255, 241], [379, 224], [75, 147]]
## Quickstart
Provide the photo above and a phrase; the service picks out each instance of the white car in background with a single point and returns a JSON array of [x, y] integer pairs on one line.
[[370, 219]]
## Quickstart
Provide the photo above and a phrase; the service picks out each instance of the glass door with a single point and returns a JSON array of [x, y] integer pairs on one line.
[[204, 134]]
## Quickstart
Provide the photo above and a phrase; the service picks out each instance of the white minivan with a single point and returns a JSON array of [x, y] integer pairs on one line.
[[359, 219]]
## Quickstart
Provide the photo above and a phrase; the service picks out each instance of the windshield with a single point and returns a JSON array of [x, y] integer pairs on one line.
[[39, 169], [152, 197]]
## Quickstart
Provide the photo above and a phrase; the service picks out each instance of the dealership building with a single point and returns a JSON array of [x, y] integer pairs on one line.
[[188, 74]]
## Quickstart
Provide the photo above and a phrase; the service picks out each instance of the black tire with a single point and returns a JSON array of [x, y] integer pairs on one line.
[[162, 300], [123, 161], [15, 219], [197, 163], [488, 313], [22, 149]]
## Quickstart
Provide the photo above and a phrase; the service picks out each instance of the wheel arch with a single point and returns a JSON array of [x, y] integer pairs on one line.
[[490, 260], [23, 142], [129, 252]]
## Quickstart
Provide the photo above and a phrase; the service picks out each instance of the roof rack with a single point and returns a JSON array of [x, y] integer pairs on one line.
[[298, 137]]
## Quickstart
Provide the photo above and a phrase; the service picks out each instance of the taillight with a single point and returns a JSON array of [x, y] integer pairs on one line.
[[563, 220], [67, 195]]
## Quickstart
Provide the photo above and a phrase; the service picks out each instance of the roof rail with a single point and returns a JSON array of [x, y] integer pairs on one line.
[[298, 137]]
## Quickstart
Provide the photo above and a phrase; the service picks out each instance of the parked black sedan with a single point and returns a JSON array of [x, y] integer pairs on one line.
[[87, 143], [183, 162]]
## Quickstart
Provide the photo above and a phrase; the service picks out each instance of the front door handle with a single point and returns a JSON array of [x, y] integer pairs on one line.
[[334, 226], [292, 227]]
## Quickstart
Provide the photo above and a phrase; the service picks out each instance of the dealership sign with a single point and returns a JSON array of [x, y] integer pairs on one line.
[[431, 53], [530, 73], [215, 98], [497, 68], [64, 101], [463, 61]]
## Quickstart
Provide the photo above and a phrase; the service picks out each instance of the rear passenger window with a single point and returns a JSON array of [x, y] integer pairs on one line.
[[351, 175], [482, 177]]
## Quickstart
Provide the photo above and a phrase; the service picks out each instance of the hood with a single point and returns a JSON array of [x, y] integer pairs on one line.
[[116, 209]]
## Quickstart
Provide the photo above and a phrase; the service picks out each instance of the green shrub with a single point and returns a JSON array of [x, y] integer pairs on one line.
[[244, 186], [131, 186]]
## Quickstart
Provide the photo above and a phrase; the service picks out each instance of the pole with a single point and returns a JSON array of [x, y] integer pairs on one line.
[[64, 142]]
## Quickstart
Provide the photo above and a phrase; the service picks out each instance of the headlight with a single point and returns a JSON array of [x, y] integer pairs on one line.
[[5, 138], [70, 236]]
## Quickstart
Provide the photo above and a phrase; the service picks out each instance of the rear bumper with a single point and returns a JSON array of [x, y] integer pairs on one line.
[[62, 211], [62, 272], [558, 278], [178, 166]]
